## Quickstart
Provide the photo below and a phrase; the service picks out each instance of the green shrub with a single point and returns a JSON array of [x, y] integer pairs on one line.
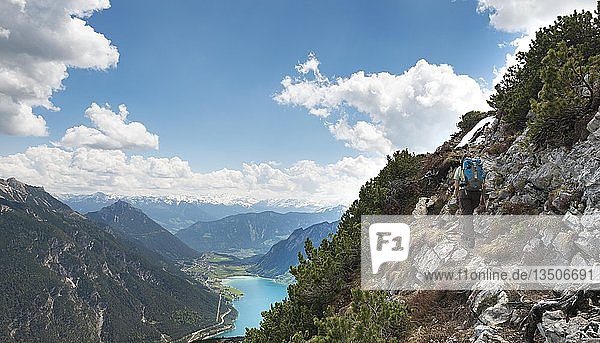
[[326, 278], [524, 81], [469, 120], [568, 97], [371, 317]]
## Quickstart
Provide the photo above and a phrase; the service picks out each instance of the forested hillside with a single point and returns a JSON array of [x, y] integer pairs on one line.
[[128, 222], [546, 108], [284, 253], [64, 279]]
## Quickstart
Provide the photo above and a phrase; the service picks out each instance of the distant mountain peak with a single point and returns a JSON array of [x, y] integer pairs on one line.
[[119, 209], [283, 254], [122, 205], [14, 188], [255, 232], [100, 195], [135, 224], [14, 182]]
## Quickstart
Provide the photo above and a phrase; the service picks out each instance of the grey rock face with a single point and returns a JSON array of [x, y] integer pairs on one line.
[[555, 328], [563, 243], [589, 243], [487, 334], [556, 181], [594, 125], [421, 207], [495, 315]]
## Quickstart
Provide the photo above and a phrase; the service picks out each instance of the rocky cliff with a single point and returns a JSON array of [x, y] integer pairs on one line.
[[563, 182]]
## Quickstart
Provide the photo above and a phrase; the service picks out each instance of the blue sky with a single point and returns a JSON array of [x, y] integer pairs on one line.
[[201, 73], [202, 76]]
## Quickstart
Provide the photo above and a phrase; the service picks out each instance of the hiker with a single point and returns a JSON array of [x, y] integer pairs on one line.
[[469, 192]]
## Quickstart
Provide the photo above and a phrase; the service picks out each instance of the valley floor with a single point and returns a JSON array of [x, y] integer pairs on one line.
[[211, 269]]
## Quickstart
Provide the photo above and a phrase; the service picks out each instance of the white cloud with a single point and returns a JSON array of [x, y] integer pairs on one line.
[[520, 44], [111, 131], [362, 136], [526, 17], [417, 109], [40, 41], [310, 66], [87, 170]]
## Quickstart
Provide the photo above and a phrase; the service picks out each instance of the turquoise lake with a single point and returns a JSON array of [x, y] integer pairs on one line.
[[259, 294]]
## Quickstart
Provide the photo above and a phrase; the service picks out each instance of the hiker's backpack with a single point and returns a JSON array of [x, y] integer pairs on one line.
[[472, 169]]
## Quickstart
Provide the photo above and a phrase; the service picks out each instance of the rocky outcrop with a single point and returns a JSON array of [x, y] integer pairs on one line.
[[563, 182], [593, 127], [556, 329]]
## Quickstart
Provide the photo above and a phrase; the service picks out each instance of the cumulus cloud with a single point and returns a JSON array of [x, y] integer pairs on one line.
[[86, 170], [362, 136], [526, 17], [111, 131], [417, 109], [39, 41]]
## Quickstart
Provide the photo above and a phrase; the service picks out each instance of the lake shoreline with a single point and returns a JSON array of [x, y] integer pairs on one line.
[[258, 295]]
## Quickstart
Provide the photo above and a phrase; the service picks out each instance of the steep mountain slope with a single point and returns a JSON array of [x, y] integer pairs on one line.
[[252, 231], [284, 254], [175, 214], [520, 182], [64, 279], [126, 220], [542, 157]]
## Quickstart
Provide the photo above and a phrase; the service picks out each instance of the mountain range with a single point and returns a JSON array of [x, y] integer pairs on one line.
[[249, 233], [175, 213], [63, 278]]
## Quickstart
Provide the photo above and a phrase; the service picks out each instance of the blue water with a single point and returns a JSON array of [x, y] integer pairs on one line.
[[259, 294]]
